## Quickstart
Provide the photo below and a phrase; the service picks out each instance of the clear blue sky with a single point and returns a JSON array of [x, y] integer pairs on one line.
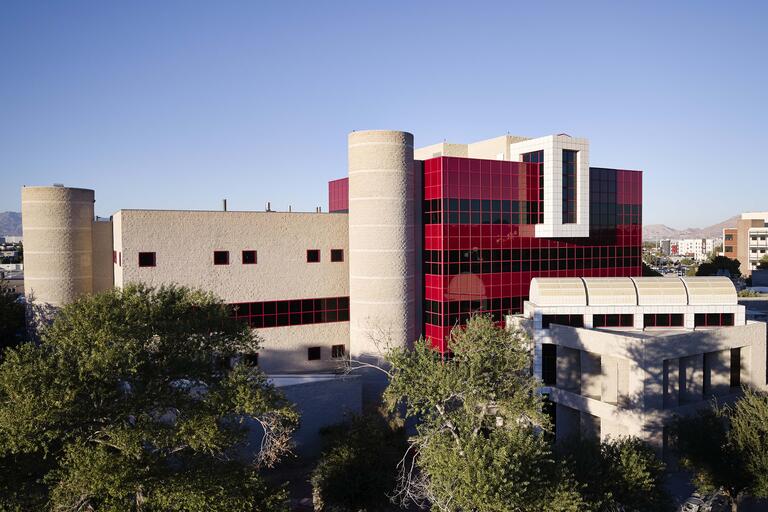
[[177, 104]]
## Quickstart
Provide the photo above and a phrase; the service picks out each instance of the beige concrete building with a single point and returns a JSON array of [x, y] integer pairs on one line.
[[623, 356], [747, 241], [319, 287]]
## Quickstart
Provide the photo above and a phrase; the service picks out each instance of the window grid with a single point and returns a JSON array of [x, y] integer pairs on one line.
[[569, 320], [613, 320], [282, 313], [713, 319], [569, 186], [496, 261], [338, 351], [663, 320]]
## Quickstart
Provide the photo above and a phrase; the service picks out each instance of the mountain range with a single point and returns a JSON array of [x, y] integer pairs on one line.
[[661, 231], [10, 223]]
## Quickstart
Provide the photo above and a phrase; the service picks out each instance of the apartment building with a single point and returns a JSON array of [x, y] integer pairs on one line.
[[748, 241], [697, 248], [623, 356]]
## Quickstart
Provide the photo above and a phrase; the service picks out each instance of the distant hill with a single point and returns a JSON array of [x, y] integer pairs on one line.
[[661, 232], [10, 223]]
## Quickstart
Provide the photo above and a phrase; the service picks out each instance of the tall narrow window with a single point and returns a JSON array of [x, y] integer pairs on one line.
[[313, 256], [147, 259], [221, 257], [537, 157], [337, 255], [249, 257], [569, 186]]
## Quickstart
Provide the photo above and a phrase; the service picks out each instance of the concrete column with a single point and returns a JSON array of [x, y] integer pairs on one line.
[[58, 245], [591, 376], [609, 367], [567, 422], [671, 383], [691, 379], [568, 369], [717, 378], [382, 242]]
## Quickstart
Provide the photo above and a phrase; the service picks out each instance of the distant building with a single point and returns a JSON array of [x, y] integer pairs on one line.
[[665, 246], [623, 356], [697, 248], [747, 241], [11, 239]]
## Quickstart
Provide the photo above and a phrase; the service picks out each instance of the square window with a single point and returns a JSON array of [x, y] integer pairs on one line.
[[313, 354], [147, 259], [249, 257], [313, 255], [337, 255], [337, 351], [221, 257]]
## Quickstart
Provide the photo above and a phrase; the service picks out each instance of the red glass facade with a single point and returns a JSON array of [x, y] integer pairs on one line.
[[338, 195], [480, 250]]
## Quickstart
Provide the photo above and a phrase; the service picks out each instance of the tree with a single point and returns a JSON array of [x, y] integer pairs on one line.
[[718, 264], [125, 405], [479, 444], [358, 467], [617, 474], [763, 263], [649, 272], [727, 447], [11, 317]]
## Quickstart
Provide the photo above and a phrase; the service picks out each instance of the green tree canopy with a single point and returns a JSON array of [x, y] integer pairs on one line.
[[11, 317], [617, 474], [717, 264], [358, 467], [479, 444], [727, 447], [125, 405]]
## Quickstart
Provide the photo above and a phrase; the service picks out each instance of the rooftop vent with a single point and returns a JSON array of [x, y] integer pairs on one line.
[[58, 185]]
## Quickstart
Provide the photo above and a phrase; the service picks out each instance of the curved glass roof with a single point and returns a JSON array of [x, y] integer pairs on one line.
[[632, 291], [610, 291], [558, 291]]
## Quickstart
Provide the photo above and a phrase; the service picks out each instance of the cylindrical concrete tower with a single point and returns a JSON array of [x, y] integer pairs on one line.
[[58, 246], [382, 259]]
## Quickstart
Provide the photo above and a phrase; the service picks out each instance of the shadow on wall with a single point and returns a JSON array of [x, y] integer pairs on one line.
[[680, 374], [322, 399]]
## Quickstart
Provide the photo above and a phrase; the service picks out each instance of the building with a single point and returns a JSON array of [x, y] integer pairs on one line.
[[748, 241], [415, 242], [665, 247], [622, 356], [11, 239], [697, 248]]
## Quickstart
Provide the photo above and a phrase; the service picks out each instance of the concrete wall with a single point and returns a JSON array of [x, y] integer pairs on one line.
[[322, 402], [643, 379], [103, 278], [58, 245], [184, 242], [382, 241]]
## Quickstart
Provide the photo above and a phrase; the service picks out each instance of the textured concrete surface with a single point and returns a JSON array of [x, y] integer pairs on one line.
[[382, 241], [58, 245]]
